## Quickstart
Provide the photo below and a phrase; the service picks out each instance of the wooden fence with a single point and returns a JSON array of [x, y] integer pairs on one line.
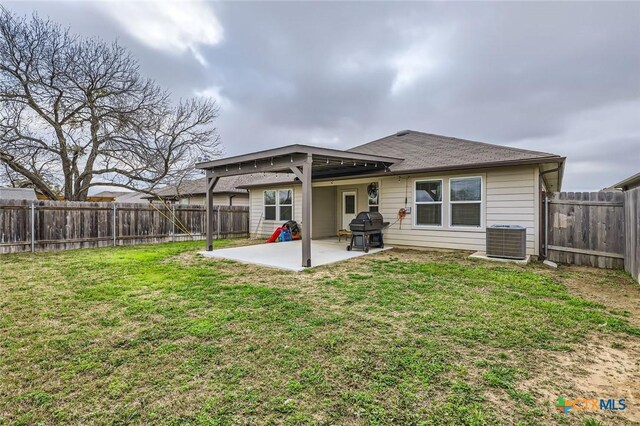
[[632, 233], [587, 228], [63, 225]]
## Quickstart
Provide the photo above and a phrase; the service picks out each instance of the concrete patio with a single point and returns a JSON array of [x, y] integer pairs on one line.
[[288, 255]]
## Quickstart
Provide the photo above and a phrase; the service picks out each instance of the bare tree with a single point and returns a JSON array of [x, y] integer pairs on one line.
[[76, 113]]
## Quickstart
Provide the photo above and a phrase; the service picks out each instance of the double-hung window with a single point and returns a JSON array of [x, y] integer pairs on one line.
[[465, 202], [278, 204], [428, 202]]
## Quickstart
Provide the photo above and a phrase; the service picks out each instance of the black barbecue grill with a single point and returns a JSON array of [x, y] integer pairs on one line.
[[366, 231]]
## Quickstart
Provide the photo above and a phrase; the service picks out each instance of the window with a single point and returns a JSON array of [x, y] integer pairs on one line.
[[285, 204], [373, 196], [278, 204], [270, 205], [466, 202], [428, 200]]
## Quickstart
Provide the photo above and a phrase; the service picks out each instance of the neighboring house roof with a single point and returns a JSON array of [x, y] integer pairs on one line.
[[628, 183], [226, 185], [426, 152], [132, 197], [271, 179], [109, 194], [17, 194]]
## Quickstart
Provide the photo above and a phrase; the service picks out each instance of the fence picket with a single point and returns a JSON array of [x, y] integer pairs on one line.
[[63, 225], [587, 228]]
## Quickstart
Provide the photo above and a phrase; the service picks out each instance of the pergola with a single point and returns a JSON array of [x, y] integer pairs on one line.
[[307, 163]]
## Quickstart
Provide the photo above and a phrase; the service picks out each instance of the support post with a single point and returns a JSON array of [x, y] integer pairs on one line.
[[211, 183], [113, 225], [218, 223], [33, 227], [306, 211], [173, 224]]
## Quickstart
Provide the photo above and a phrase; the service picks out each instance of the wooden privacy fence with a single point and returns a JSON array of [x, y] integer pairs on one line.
[[62, 225], [632, 233], [587, 228]]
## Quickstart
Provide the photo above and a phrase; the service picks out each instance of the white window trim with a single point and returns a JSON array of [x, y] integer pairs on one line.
[[277, 204], [415, 203], [450, 202]]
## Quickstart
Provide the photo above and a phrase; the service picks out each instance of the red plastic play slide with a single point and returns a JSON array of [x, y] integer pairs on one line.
[[275, 235]]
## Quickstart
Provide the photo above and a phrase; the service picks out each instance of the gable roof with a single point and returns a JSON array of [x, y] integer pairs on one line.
[[226, 185], [109, 194], [427, 152], [8, 193], [628, 183], [132, 197]]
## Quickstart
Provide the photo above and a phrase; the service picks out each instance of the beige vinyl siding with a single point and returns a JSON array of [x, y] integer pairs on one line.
[[264, 228], [509, 197], [323, 218], [522, 208], [362, 200], [239, 200]]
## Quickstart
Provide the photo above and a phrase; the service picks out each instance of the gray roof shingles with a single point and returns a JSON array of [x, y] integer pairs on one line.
[[226, 185], [424, 151]]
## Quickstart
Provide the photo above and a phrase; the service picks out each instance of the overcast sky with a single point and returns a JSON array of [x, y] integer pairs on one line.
[[556, 77]]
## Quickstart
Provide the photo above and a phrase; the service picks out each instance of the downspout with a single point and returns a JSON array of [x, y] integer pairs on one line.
[[546, 211]]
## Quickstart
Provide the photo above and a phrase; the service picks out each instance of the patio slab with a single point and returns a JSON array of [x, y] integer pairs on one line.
[[288, 255]]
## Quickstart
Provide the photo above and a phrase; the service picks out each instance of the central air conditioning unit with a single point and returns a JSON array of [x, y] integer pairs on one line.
[[507, 241]]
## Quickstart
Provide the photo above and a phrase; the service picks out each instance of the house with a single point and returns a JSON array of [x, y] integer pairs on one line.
[[629, 183], [631, 189], [106, 196], [8, 193], [190, 192], [436, 191], [132, 198]]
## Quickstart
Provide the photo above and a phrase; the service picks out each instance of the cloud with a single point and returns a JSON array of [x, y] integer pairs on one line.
[[534, 75], [215, 93], [602, 145], [423, 57], [174, 27]]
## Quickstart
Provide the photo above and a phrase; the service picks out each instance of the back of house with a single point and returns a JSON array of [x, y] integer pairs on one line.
[[444, 193]]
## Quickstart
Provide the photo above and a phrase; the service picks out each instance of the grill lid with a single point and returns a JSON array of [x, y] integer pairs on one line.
[[370, 216]]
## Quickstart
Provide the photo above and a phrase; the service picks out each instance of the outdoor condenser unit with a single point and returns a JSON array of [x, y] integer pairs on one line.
[[507, 241]]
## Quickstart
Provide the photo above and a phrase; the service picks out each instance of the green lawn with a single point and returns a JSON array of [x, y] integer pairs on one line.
[[155, 334]]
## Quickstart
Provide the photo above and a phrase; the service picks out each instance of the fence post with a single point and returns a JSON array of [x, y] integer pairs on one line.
[[114, 232], [33, 226], [173, 224]]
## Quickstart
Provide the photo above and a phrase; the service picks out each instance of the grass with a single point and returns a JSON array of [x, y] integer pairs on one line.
[[155, 334]]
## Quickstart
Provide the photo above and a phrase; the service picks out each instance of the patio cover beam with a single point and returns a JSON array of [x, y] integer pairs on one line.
[[266, 165], [286, 151]]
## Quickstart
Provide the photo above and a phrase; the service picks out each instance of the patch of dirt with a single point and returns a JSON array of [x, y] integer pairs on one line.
[[605, 366], [613, 289]]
